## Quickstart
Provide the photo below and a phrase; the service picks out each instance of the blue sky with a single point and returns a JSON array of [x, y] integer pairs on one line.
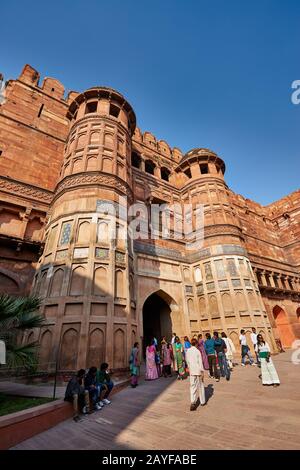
[[213, 73]]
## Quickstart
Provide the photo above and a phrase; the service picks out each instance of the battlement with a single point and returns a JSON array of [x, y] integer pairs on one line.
[[149, 141], [50, 86]]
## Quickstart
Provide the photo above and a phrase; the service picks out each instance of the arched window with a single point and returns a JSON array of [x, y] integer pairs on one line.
[[114, 110], [204, 168], [135, 160], [91, 107], [149, 167], [165, 173], [188, 173]]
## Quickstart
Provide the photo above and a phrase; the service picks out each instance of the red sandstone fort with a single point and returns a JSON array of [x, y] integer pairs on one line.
[[60, 156]]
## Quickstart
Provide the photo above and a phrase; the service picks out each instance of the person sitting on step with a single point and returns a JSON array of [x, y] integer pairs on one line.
[[90, 384], [104, 383], [76, 394]]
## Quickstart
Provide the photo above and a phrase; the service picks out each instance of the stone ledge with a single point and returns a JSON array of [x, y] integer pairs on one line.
[[19, 426]]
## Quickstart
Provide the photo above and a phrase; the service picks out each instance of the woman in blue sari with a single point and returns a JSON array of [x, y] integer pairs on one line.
[[187, 344]]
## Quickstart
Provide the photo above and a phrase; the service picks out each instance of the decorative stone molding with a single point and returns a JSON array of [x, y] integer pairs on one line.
[[93, 178], [25, 190], [222, 229]]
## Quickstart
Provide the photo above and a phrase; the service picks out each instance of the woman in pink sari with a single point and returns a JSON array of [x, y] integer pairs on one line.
[[151, 368], [203, 352]]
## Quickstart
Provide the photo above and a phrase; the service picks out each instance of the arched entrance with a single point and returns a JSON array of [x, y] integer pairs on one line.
[[157, 317], [284, 328]]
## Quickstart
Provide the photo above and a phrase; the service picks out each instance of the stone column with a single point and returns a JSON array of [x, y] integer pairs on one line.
[[263, 278]]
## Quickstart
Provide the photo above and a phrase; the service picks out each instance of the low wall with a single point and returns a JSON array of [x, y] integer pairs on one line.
[[17, 427]]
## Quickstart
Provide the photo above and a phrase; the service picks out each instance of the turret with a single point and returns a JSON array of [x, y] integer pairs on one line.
[[102, 124], [201, 162], [85, 273]]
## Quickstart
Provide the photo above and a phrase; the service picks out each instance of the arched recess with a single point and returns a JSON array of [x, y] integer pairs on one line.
[[44, 285], [283, 326], [102, 232], [77, 165], [119, 349], [253, 301], [8, 285], [186, 274], [298, 313], [92, 164], [56, 284], [108, 140], [83, 232], [213, 305], [119, 281], [190, 303], [96, 349], [100, 286], [202, 307], [77, 281], [95, 137], [240, 302], [233, 335], [81, 141], [227, 303], [69, 350], [45, 349], [198, 275], [107, 165]]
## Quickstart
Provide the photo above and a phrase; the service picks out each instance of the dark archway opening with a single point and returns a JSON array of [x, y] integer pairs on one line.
[[156, 319]]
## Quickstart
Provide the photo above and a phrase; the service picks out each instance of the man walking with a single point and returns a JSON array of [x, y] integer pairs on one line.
[[253, 337], [195, 365], [209, 346], [220, 348], [245, 350]]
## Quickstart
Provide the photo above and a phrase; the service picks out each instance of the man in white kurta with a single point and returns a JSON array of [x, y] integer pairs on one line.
[[196, 369]]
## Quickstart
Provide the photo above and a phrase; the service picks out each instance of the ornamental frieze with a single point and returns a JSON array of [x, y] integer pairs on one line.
[[222, 229], [25, 190], [83, 179]]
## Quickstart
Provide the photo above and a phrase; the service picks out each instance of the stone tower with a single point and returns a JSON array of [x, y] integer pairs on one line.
[[227, 292], [84, 272]]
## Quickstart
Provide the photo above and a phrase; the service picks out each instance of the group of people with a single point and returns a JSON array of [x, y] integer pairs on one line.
[[214, 354], [89, 390]]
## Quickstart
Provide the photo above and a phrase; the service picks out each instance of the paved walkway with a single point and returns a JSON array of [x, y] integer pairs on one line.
[[240, 414]]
